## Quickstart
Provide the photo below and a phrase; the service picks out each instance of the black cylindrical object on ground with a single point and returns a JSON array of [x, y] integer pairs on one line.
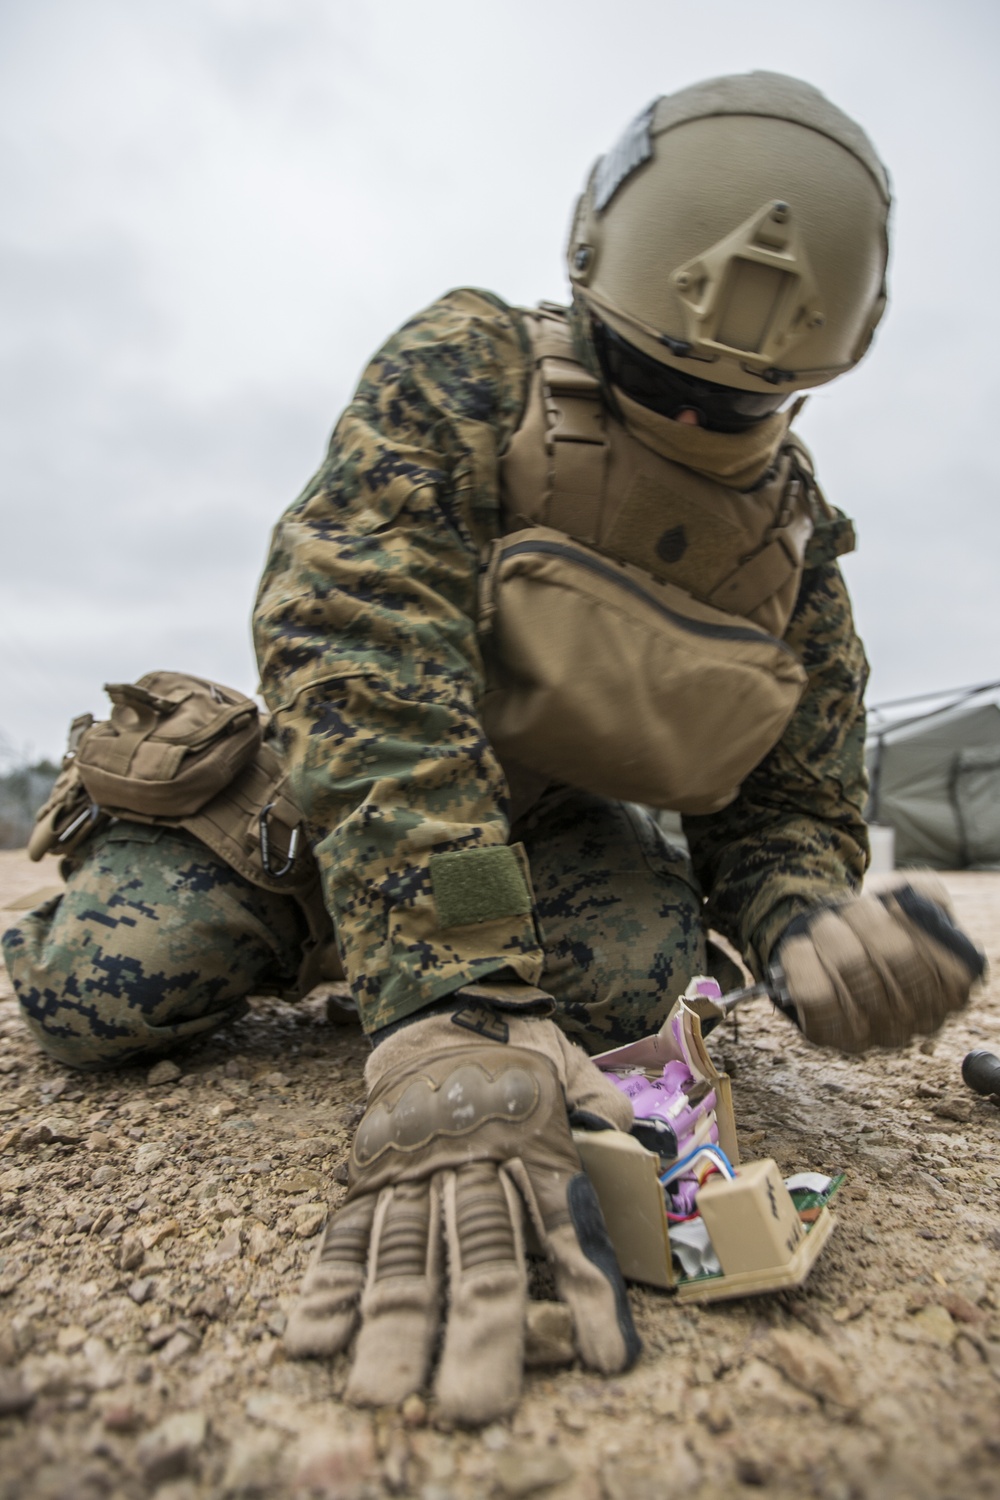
[[981, 1071]]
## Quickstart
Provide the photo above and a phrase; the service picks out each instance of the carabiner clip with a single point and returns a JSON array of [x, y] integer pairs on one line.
[[89, 814], [265, 847]]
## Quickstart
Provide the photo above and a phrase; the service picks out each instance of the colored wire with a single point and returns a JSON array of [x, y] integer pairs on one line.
[[714, 1153]]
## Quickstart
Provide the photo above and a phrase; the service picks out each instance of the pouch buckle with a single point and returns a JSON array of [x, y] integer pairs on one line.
[[90, 814], [265, 846]]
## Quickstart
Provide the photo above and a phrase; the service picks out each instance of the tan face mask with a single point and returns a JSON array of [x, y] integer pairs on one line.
[[737, 459]]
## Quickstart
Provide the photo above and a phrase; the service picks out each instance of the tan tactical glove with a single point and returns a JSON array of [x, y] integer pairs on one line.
[[465, 1133], [877, 969]]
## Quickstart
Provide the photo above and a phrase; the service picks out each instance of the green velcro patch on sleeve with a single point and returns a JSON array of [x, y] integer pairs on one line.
[[478, 885]]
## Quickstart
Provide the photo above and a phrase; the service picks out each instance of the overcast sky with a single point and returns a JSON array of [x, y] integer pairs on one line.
[[213, 211]]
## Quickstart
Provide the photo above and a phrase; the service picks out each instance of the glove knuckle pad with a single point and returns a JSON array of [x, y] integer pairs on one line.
[[462, 1101]]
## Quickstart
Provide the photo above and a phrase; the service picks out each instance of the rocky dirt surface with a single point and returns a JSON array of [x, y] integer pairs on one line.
[[154, 1226]]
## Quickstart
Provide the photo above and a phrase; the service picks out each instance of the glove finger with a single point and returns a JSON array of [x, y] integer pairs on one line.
[[587, 1274], [480, 1372], [951, 960], [909, 992], [401, 1305], [829, 1011], [324, 1318], [920, 902], [589, 1091]]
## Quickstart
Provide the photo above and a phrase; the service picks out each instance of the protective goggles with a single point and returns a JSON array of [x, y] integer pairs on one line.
[[668, 392]]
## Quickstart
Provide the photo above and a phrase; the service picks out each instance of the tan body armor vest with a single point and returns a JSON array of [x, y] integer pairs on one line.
[[718, 567], [572, 467]]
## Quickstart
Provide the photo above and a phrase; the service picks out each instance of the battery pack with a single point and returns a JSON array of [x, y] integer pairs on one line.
[[751, 1219]]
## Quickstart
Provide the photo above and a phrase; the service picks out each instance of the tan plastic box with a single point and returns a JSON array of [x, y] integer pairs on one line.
[[754, 1226]]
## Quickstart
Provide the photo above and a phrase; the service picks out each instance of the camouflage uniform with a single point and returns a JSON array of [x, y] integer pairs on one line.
[[365, 630], [370, 661], [154, 941]]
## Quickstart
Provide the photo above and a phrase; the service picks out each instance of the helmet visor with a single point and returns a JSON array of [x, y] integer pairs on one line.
[[669, 392]]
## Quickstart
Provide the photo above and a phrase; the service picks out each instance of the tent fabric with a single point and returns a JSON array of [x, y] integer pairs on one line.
[[976, 794], [936, 782]]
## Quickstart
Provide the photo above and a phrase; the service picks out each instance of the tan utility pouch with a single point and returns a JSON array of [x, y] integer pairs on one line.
[[172, 742], [248, 817], [605, 678]]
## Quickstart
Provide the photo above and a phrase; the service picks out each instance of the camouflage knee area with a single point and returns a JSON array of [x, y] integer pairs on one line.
[[620, 913], [154, 941]]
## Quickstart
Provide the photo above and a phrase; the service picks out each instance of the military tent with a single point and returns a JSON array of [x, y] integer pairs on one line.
[[935, 780]]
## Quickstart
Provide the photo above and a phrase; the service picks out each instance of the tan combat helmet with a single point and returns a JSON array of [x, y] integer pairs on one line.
[[737, 232]]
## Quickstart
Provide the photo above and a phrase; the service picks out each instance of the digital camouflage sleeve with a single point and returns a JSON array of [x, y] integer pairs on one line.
[[366, 638], [796, 834]]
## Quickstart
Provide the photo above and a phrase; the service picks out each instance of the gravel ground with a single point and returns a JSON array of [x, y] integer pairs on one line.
[[154, 1227]]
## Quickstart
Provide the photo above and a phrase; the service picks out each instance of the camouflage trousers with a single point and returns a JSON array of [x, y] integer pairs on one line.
[[155, 941]]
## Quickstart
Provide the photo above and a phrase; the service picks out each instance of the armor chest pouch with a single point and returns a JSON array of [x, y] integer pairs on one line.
[[605, 678], [633, 614]]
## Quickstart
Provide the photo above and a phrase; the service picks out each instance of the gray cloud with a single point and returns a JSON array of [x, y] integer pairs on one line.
[[217, 208]]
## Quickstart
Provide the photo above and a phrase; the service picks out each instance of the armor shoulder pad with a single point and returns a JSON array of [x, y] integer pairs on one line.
[[549, 331], [833, 532]]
